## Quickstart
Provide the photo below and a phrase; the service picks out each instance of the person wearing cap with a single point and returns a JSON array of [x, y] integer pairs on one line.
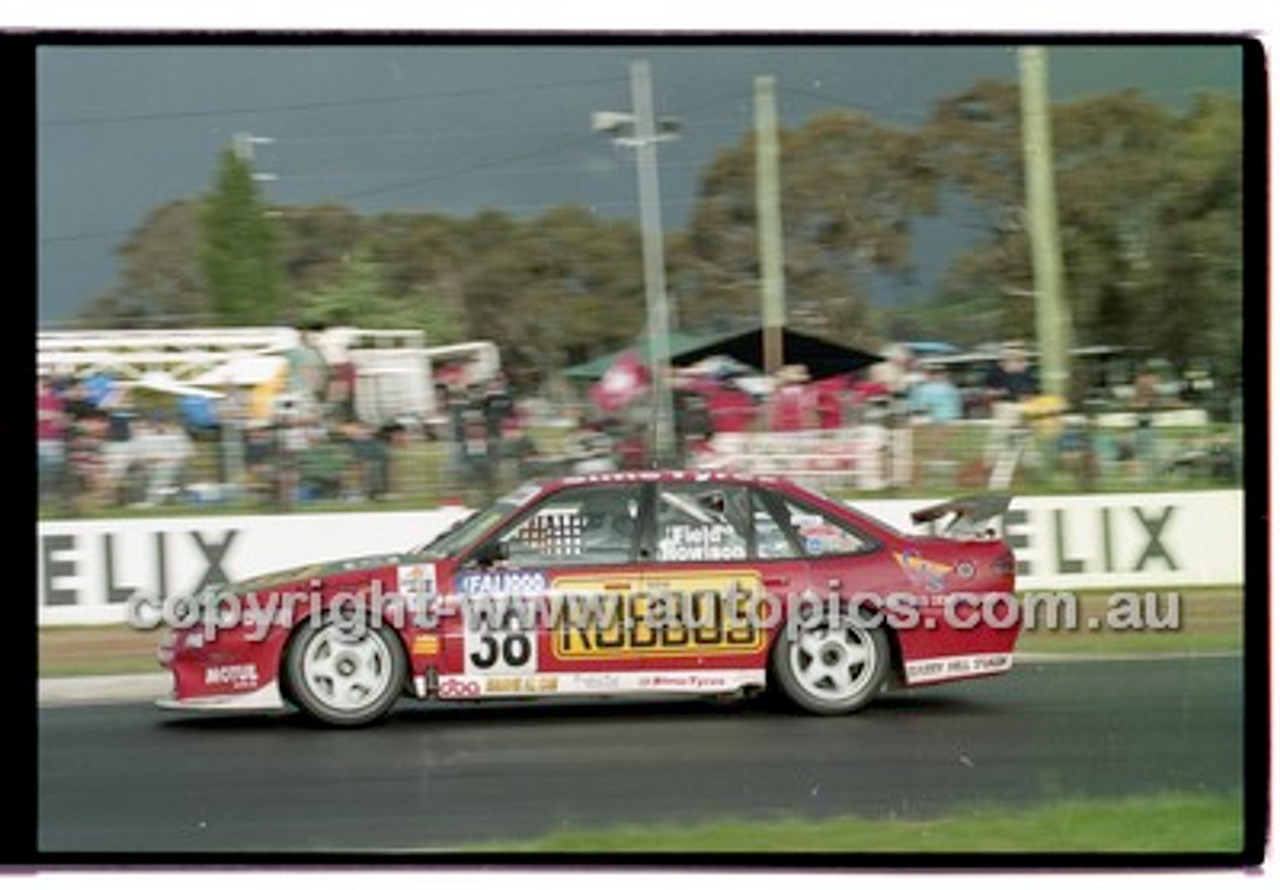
[[1012, 380]]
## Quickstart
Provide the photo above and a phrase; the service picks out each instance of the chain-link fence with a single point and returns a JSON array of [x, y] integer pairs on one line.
[[162, 467]]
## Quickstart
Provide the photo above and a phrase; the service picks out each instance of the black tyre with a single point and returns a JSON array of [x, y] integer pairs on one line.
[[343, 675], [834, 667]]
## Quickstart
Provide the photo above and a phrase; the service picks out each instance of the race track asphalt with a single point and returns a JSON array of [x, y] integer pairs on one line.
[[131, 779]]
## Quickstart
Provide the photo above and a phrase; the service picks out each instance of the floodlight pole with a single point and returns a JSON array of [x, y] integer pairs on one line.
[[637, 130], [243, 146], [769, 215]]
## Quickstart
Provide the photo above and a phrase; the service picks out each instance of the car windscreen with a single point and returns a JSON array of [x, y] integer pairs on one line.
[[461, 536]]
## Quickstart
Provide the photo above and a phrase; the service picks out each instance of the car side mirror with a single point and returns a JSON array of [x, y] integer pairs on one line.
[[491, 552]]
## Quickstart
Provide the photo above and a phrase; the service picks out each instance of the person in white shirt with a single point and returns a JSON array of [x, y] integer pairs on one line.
[[165, 448]]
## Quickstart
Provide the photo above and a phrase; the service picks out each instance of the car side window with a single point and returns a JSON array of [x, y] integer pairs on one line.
[[702, 522], [577, 527], [772, 542], [821, 534]]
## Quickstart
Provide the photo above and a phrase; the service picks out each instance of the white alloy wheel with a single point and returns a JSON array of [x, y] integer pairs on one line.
[[345, 676], [834, 667]]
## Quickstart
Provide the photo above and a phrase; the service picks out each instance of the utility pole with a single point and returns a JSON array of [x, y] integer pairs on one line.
[[1053, 315], [637, 130], [769, 226]]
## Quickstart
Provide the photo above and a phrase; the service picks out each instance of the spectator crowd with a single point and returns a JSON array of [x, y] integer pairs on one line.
[[104, 443], [97, 447]]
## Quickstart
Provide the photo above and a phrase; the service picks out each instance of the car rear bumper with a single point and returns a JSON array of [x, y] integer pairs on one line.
[[922, 671]]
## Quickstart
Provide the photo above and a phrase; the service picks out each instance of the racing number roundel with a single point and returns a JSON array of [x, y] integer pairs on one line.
[[500, 648]]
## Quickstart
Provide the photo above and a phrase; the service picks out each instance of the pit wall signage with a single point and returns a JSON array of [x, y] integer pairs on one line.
[[1078, 542], [88, 569]]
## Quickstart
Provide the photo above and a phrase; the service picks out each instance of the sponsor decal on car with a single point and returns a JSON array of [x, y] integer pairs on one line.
[[683, 681], [689, 543], [418, 579], [927, 573], [500, 582], [543, 685], [951, 667], [458, 687], [592, 683], [237, 676], [676, 614]]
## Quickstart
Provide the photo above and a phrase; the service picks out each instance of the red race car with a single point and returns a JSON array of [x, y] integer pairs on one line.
[[623, 584]]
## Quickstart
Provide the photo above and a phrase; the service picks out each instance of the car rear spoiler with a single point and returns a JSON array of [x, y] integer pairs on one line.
[[972, 513]]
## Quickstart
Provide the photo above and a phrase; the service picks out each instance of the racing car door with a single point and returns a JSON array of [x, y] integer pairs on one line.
[[556, 600], [719, 553]]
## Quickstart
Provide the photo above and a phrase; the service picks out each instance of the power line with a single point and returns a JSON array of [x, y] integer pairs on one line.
[[462, 93], [488, 165], [486, 168], [415, 182], [85, 236], [896, 116], [434, 136]]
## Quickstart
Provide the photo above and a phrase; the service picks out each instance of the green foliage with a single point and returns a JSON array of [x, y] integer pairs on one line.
[[161, 283], [1150, 215], [239, 251], [850, 188], [354, 296], [314, 244], [359, 296]]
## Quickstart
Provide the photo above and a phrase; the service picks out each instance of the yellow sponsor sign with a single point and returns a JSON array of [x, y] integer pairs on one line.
[[521, 685], [665, 614]]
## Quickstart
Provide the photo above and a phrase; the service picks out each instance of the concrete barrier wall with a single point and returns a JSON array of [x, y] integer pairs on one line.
[[87, 569]]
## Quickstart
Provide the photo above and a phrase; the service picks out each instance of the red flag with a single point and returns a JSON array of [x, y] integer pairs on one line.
[[624, 380]]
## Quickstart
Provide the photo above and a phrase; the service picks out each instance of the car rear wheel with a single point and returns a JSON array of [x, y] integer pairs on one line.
[[833, 667], [345, 675]]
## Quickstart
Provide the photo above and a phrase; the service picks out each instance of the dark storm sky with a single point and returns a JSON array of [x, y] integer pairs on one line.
[[454, 128]]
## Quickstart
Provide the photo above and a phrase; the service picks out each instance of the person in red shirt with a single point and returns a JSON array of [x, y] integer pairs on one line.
[[732, 410], [790, 408], [51, 433], [829, 403]]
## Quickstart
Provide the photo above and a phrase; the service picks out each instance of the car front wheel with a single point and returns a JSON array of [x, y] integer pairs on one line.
[[833, 667], [345, 675]]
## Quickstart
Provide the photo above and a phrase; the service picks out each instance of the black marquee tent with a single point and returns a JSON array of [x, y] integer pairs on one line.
[[822, 358]]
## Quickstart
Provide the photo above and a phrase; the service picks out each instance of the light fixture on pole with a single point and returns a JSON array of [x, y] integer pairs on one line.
[[243, 144], [638, 130]]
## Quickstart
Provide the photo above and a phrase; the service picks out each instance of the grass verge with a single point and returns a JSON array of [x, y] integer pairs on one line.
[[89, 651], [1209, 620], [1173, 823]]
